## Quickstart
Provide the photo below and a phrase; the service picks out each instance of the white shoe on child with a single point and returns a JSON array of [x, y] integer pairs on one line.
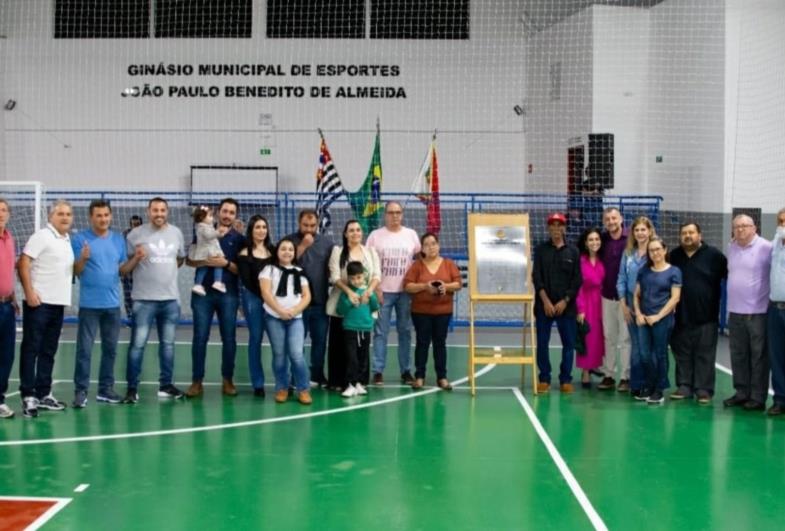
[[199, 290], [219, 286], [349, 392], [360, 389]]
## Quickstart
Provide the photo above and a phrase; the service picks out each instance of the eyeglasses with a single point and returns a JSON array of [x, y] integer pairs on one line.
[[395, 212], [744, 226]]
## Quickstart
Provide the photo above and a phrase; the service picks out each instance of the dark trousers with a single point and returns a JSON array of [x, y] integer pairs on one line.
[[776, 335], [316, 323], [749, 356], [431, 329], [336, 355], [91, 321], [7, 345], [224, 306], [695, 351], [41, 328], [568, 328], [358, 345], [653, 343]]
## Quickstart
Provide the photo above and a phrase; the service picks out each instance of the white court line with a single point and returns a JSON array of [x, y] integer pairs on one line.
[[562, 466], [242, 424], [81, 488], [726, 370], [44, 518]]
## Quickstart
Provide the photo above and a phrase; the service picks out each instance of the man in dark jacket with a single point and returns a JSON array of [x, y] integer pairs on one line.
[[557, 277]]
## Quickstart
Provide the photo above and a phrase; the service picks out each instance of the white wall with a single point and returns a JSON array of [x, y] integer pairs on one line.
[[550, 124], [68, 94], [685, 115], [755, 104], [620, 89]]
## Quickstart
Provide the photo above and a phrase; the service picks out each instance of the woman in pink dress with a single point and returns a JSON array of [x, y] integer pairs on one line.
[[589, 303]]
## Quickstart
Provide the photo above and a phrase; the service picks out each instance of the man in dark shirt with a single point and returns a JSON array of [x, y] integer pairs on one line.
[[313, 255], [557, 277], [224, 305], [694, 337], [614, 325]]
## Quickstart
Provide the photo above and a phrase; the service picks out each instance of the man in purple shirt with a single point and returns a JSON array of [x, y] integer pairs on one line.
[[749, 262], [614, 327]]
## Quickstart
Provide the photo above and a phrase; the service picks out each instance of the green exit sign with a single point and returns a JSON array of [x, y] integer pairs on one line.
[[265, 151]]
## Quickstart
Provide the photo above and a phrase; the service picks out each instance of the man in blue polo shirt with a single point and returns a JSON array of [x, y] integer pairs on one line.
[[100, 252], [224, 305]]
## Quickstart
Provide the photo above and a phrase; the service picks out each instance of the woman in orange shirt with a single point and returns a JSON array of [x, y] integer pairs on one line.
[[432, 280]]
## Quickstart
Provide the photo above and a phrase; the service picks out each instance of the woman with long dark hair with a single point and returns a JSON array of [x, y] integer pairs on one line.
[[351, 250], [286, 293], [251, 260], [589, 302]]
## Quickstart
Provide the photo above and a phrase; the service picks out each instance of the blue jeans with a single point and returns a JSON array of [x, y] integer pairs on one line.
[[287, 339], [402, 304], [7, 345], [636, 364], [165, 314], [201, 272], [431, 329], [41, 333], [224, 305], [776, 335], [316, 323], [90, 321], [653, 343], [568, 328], [255, 317]]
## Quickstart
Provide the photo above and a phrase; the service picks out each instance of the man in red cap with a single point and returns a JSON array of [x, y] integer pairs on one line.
[[557, 277]]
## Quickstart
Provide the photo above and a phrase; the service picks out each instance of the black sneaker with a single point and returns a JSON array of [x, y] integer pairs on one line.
[[108, 396], [30, 406], [80, 399], [655, 398], [131, 397], [259, 392], [606, 384], [642, 395], [407, 378], [169, 391], [49, 402]]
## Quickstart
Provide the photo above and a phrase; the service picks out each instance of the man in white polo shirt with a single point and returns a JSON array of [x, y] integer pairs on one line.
[[46, 271]]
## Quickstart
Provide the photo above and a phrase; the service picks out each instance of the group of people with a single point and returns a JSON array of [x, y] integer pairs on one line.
[[303, 285], [620, 292]]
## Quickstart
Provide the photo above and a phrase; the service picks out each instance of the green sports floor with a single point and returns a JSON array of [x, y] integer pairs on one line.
[[394, 460]]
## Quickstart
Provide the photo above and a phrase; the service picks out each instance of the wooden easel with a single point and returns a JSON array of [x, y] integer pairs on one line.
[[489, 234]]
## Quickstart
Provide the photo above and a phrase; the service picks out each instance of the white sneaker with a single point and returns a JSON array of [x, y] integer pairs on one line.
[[199, 290], [349, 392], [219, 286], [6, 412], [360, 389]]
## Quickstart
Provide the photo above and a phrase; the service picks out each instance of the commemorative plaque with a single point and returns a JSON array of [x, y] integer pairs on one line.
[[502, 262]]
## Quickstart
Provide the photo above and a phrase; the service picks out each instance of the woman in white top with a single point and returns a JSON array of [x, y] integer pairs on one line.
[[286, 294], [352, 250]]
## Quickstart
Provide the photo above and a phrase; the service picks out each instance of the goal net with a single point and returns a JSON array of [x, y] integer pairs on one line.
[[669, 108]]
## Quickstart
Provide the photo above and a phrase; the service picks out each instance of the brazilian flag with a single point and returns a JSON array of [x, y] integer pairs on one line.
[[367, 201]]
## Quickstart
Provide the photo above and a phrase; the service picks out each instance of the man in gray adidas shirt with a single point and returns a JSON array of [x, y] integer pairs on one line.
[[155, 251]]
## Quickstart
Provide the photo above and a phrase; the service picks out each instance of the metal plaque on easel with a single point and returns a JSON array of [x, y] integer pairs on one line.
[[502, 264]]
